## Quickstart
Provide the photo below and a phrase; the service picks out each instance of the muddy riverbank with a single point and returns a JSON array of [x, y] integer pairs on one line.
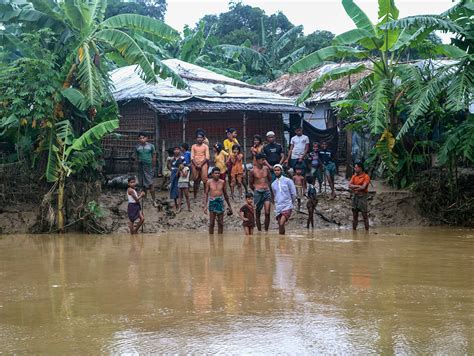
[[388, 207]]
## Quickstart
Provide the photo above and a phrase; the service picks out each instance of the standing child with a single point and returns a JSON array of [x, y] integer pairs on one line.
[[215, 193], [183, 186], [300, 184], [220, 157], [199, 162], [237, 171], [316, 167], [134, 209], [312, 200], [173, 166], [247, 214]]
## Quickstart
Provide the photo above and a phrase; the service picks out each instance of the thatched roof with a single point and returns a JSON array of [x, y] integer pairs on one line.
[[293, 85]]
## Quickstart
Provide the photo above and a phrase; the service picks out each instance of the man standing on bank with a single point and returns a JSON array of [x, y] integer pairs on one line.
[[199, 162], [299, 147], [359, 186], [273, 152], [284, 192], [146, 156], [259, 182]]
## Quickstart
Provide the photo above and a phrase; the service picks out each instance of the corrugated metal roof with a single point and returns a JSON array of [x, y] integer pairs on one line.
[[183, 107], [202, 84]]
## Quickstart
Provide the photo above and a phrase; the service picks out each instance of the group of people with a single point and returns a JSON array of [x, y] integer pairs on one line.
[[267, 179]]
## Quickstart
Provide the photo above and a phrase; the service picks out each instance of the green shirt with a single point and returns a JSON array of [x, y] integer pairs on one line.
[[145, 153]]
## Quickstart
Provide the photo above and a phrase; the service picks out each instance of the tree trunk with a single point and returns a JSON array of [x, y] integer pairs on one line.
[[61, 184]]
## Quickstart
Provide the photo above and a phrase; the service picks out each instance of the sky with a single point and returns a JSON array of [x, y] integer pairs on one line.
[[312, 14]]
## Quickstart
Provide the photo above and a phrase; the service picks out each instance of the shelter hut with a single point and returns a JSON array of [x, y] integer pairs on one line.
[[322, 117], [171, 116]]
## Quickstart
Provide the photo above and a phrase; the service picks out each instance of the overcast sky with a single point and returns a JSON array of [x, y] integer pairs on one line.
[[312, 14]]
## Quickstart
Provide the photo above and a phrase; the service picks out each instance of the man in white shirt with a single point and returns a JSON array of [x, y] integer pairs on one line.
[[284, 193], [299, 147]]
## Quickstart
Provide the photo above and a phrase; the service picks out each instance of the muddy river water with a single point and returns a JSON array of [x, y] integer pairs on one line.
[[394, 291]]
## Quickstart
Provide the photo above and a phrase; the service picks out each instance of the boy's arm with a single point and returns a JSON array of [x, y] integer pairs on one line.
[[292, 190], [241, 215], [206, 196], [208, 155], [289, 153], [153, 158], [306, 149], [269, 177], [226, 197], [251, 180]]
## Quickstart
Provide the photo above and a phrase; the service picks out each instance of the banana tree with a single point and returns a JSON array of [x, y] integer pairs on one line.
[[379, 47], [84, 37], [68, 155]]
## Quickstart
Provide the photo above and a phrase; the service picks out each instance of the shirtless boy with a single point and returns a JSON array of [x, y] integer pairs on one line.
[[300, 184], [199, 162], [259, 181], [214, 195]]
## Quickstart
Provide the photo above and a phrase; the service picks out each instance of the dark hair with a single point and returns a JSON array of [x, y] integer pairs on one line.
[[142, 134], [315, 143], [259, 138], [215, 169], [249, 195], [300, 167], [238, 147], [218, 147], [360, 164], [130, 179], [260, 156], [200, 131], [170, 151], [310, 179], [230, 129], [298, 128], [185, 146]]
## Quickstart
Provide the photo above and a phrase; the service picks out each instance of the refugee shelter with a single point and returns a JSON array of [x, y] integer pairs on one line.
[[171, 116]]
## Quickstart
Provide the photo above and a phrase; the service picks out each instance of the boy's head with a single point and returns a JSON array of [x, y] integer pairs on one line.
[[249, 198], [236, 149], [298, 171], [358, 167], [310, 179], [260, 157], [298, 131], [142, 138], [199, 138], [270, 136], [315, 146], [231, 133], [181, 166], [324, 145], [176, 151], [218, 147], [170, 151], [257, 140], [184, 147], [132, 182], [215, 173]]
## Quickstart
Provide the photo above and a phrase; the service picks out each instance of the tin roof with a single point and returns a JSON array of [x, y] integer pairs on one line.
[[206, 91]]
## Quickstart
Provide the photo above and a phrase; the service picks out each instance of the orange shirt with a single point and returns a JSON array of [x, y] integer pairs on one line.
[[237, 167], [200, 153], [361, 179]]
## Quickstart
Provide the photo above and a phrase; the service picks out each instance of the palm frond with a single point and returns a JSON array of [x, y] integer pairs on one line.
[[459, 142], [52, 165], [433, 22], [460, 89], [87, 77], [285, 39], [141, 23], [250, 56], [360, 19], [93, 135], [317, 58], [379, 106]]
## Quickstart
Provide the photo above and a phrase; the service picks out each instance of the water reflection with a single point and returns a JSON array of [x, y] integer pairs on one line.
[[329, 292]]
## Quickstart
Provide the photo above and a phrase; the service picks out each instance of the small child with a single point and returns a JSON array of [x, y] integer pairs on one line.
[[183, 186], [134, 209], [186, 153], [300, 184], [237, 171], [312, 200], [316, 167], [247, 214], [220, 157]]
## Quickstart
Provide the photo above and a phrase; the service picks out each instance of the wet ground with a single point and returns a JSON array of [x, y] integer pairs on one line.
[[399, 291]]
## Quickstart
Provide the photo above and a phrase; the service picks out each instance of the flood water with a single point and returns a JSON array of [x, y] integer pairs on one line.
[[399, 291]]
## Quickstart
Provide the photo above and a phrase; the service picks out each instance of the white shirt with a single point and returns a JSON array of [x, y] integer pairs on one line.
[[299, 144]]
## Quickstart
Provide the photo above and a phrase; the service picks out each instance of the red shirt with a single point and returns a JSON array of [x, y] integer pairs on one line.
[[361, 179]]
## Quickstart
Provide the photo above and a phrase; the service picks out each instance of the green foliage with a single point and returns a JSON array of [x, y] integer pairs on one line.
[[155, 9], [459, 142]]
